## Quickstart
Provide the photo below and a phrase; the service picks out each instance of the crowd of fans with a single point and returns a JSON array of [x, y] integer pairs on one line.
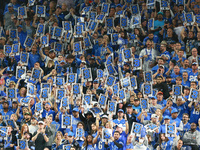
[[168, 46]]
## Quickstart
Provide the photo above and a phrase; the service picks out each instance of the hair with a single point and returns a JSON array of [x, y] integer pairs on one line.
[[23, 128], [186, 114], [178, 78], [59, 132], [93, 131], [160, 140], [81, 123], [85, 144]]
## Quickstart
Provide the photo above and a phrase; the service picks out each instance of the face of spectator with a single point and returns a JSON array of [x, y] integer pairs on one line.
[[47, 106], [162, 48], [159, 97], [169, 32], [129, 110], [180, 53], [186, 63], [58, 10], [179, 101], [136, 102], [178, 81], [154, 101], [160, 17], [162, 137], [180, 144], [194, 52], [185, 119], [198, 35], [116, 136], [193, 126], [52, 55], [174, 115], [150, 36], [167, 121], [149, 44], [112, 12], [40, 126], [64, 7], [159, 80], [9, 130], [186, 91], [5, 106], [120, 114], [10, 9], [33, 121], [132, 100], [185, 75], [75, 113], [194, 67], [176, 69], [34, 49], [193, 85], [167, 13]]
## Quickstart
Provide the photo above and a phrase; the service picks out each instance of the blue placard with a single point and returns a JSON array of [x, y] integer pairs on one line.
[[20, 71], [144, 103], [71, 78], [100, 17], [150, 23], [87, 99], [22, 144], [77, 47], [194, 94], [67, 26], [11, 93], [109, 22], [198, 19], [31, 2], [76, 89], [93, 25], [44, 93], [120, 57], [132, 36], [59, 81], [99, 73], [66, 147], [36, 74], [111, 69], [39, 107], [96, 110], [86, 9], [127, 54], [24, 101], [3, 131], [46, 85], [170, 130], [105, 8], [86, 74], [102, 100], [148, 76], [24, 58], [136, 63], [22, 11], [31, 89], [59, 69], [133, 82], [40, 11], [164, 4], [7, 49], [40, 29], [119, 12], [44, 40], [115, 89], [122, 94], [189, 17], [58, 47], [109, 59], [87, 42], [13, 33], [114, 38], [15, 48], [180, 2], [135, 9], [79, 133], [124, 22], [79, 29], [147, 89], [51, 29], [60, 94], [110, 80], [83, 25], [28, 42], [66, 120], [65, 102], [136, 129], [112, 107], [93, 15], [177, 90]]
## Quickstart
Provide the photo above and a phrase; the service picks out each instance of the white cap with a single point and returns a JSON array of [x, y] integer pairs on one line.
[[40, 122], [153, 116]]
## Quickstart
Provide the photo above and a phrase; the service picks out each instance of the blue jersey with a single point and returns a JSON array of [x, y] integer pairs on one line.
[[186, 127], [89, 147], [182, 109], [194, 116], [166, 145], [74, 123], [100, 145], [7, 115], [112, 145], [193, 76]]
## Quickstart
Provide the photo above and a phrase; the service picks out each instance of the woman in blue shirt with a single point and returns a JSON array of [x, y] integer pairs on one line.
[[58, 141], [165, 143], [88, 145]]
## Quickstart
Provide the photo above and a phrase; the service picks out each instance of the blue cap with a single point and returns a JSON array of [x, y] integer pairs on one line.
[[19, 26], [160, 13], [174, 111], [75, 109], [152, 97], [96, 81], [10, 5], [47, 103], [166, 117], [120, 110], [129, 105], [118, 5], [58, 6], [126, 64], [62, 61], [70, 134]]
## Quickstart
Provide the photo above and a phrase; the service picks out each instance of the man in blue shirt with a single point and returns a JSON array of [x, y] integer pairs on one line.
[[174, 119], [116, 143], [6, 113], [193, 74]]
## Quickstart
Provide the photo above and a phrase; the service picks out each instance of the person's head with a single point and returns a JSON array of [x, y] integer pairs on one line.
[[176, 69], [33, 121], [186, 90], [129, 109], [179, 144], [27, 136], [163, 137], [116, 135], [49, 118], [89, 139], [178, 80], [193, 84], [136, 101], [80, 125], [10, 7], [185, 75], [186, 63], [52, 54], [120, 113], [149, 43], [22, 91], [9, 129], [112, 12], [179, 101], [174, 113], [75, 112], [153, 100], [24, 129], [47, 106], [194, 66], [181, 53], [104, 119], [95, 84], [14, 105], [194, 52], [154, 118], [191, 34], [150, 35], [160, 15], [193, 127], [170, 32], [14, 117], [50, 63], [41, 125], [185, 118], [27, 116], [159, 79], [70, 136], [5, 105], [160, 96], [166, 120], [139, 95]]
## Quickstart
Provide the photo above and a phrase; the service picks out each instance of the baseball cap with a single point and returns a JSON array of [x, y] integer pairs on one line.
[[160, 13], [92, 58], [10, 5], [129, 105], [118, 5], [48, 103], [96, 81], [153, 116], [166, 117], [41, 122], [152, 97], [163, 43], [19, 26], [136, 99], [34, 118], [194, 63], [100, 36], [120, 110], [162, 66], [187, 87], [174, 111], [70, 134], [51, 51], [6, 102], [75, 109], [27, 113], [58, 6], [105, 116], [160, 93]]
